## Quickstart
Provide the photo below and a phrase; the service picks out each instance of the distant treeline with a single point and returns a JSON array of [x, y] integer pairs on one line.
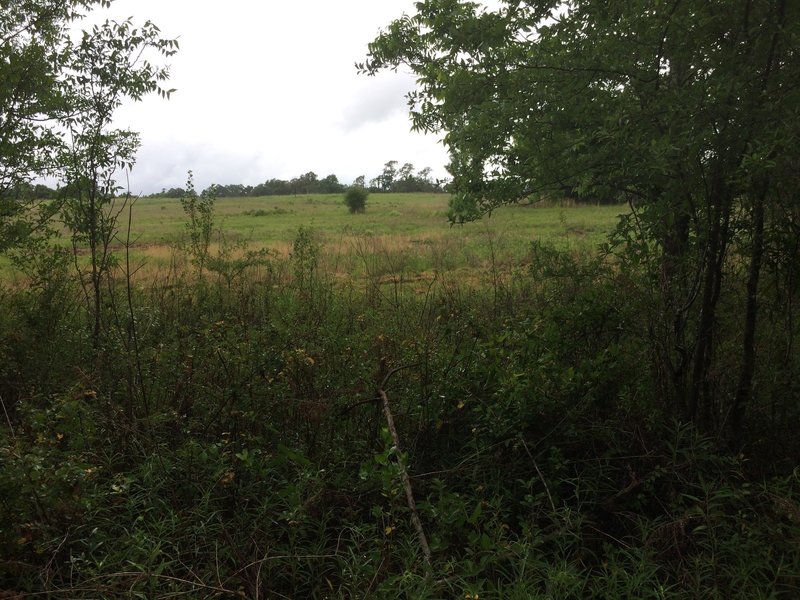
[[391, 179], [28, 191]]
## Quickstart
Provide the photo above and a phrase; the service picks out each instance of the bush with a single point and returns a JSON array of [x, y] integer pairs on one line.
[[356, 199]]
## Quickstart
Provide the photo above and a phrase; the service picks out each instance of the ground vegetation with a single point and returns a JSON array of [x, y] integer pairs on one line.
[[584, 417]]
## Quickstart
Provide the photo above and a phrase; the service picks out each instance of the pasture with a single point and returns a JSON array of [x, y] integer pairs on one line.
[[409, 233]]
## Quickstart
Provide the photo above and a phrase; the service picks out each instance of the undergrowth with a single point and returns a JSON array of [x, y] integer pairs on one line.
[[225, 439]]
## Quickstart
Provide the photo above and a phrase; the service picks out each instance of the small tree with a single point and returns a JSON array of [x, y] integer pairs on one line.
[[356, 199], [200, 226], [104, 68]]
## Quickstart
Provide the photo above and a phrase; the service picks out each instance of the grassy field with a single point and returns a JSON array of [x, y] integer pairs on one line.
[[410, 231], [402, 234]]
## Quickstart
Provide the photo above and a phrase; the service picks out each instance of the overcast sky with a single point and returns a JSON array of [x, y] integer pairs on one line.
[[269, 89]]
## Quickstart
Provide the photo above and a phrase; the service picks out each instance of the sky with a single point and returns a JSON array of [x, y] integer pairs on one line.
[[269, 89]]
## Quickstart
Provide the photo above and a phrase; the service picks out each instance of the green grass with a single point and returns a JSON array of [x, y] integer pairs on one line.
[[275, 219], [409, 232], [412, 226]]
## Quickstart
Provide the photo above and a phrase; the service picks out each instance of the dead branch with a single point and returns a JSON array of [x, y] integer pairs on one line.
[[412, 505]]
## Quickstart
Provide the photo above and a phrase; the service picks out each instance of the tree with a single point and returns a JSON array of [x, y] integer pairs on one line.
[[199, 211], [272, 187], [356, 199], [32, 56], [385, 180], [304, 184], [405, 180], [686, 110], [330, 185], [57, 99], [107, 66], [173, 192], [232, 190], [424, 176]]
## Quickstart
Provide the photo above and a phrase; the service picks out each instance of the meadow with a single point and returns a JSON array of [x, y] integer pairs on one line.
[[408, 234], [412, 226]]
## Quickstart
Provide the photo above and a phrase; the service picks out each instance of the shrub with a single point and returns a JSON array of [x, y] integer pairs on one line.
[[356, 199]]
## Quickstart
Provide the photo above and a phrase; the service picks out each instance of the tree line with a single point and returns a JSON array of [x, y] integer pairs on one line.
[[405, 179], [391, 179]]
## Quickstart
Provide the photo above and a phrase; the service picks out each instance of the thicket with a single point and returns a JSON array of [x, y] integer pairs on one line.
[[687, 111], [223, 436]]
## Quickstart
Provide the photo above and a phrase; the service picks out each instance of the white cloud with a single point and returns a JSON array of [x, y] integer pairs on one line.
[[168, 163], [377, 99], [268, 89]]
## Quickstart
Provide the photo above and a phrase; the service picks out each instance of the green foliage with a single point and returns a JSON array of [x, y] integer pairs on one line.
[[356, 199], [56, 107], [618, 118], [220, 434], [238, 450], [32, 54], [56, 119], [232, 258], [199, 211], [686, 111]]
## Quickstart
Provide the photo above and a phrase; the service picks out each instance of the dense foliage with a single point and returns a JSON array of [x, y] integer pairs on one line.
[[57, 102], [226, 440], [356, 199], [686, 110]]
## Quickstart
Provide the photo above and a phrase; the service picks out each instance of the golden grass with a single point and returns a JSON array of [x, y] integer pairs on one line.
[[405, 234]]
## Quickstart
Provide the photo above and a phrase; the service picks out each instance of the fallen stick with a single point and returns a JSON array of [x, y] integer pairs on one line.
[[412, 505]]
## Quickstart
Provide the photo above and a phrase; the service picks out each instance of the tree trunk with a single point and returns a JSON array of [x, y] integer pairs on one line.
[[675, 295], [745, 387], [714, 260]]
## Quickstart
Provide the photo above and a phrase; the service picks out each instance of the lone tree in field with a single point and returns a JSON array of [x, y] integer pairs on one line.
[[356, 199], [689, 111]]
